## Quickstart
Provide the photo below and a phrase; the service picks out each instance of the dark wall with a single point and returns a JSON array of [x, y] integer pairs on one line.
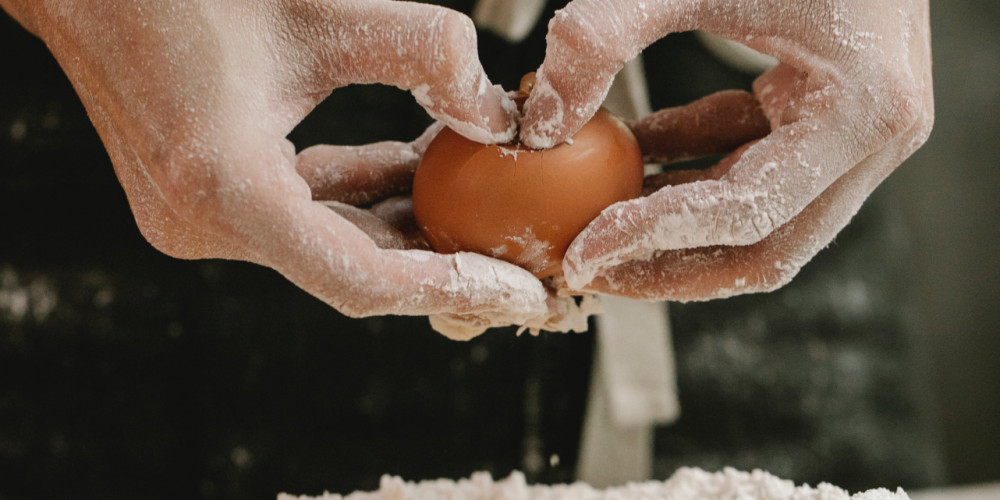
[[949, 194], [121, 368]]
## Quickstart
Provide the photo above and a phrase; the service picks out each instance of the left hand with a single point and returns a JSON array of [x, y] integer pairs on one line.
[[851, 99], [194, 100]]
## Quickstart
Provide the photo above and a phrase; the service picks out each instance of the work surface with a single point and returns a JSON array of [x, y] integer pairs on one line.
[[990, 491]]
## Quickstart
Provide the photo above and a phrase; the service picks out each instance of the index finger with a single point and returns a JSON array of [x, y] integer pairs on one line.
[[588, 42], [429, 50]]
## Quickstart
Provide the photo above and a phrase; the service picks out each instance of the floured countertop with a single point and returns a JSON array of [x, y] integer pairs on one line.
[[685, 484]]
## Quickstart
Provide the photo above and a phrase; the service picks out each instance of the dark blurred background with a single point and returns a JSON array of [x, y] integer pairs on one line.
[[126, 373]]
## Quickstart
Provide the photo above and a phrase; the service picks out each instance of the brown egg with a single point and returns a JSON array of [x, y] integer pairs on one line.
[[521, 205]]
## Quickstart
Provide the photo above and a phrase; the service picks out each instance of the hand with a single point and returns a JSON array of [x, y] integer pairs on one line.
[[849, 102], [193, 100]]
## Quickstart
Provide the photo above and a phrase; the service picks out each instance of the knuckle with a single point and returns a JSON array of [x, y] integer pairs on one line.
[[751, 221], [923, 126], [353, 307], [777, 269], [775, 278], [163, 236], [579, 29], [168, 235], [742, 231], [193, 184], [923, 129], [899, 108], [903, 112], [456, 27], [192, 197], [455, 37]]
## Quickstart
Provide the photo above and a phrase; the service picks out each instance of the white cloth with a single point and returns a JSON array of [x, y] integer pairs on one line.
[[511, 19], [636, 362], [633, 389], [633, 385]]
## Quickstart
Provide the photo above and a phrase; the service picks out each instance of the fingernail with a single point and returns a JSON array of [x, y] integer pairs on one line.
[[542, 121], [498, 111], [577, 274], [519, 290]]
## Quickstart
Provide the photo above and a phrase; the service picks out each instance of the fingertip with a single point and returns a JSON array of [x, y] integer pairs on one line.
[[499, 284], [542, 125], [499, 114], [587, 43], [617, 235], [577, 273], [461, 91], [433, 53], [481, 112]]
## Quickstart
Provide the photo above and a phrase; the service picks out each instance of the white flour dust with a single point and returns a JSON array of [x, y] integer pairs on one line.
[[685, 484], [534, 251]]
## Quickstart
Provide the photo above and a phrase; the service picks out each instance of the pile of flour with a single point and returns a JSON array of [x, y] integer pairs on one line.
[[685, 484]]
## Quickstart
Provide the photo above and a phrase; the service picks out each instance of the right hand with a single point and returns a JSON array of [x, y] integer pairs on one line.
[[193, 100], [851, 99]]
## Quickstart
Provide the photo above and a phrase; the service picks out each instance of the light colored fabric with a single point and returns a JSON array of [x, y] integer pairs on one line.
[[636, 362], [633, 386], [511, 19], [633, 389], [611, 454], [629, 97]]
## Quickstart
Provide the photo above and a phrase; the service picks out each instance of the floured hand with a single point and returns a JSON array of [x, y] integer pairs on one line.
[[851, 99], [194, 98]]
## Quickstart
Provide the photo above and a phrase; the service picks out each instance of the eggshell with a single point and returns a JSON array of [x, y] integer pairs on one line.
[[521, 205]]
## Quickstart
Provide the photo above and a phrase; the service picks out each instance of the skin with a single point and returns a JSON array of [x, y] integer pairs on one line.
[[193, 100], [849, 101]]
